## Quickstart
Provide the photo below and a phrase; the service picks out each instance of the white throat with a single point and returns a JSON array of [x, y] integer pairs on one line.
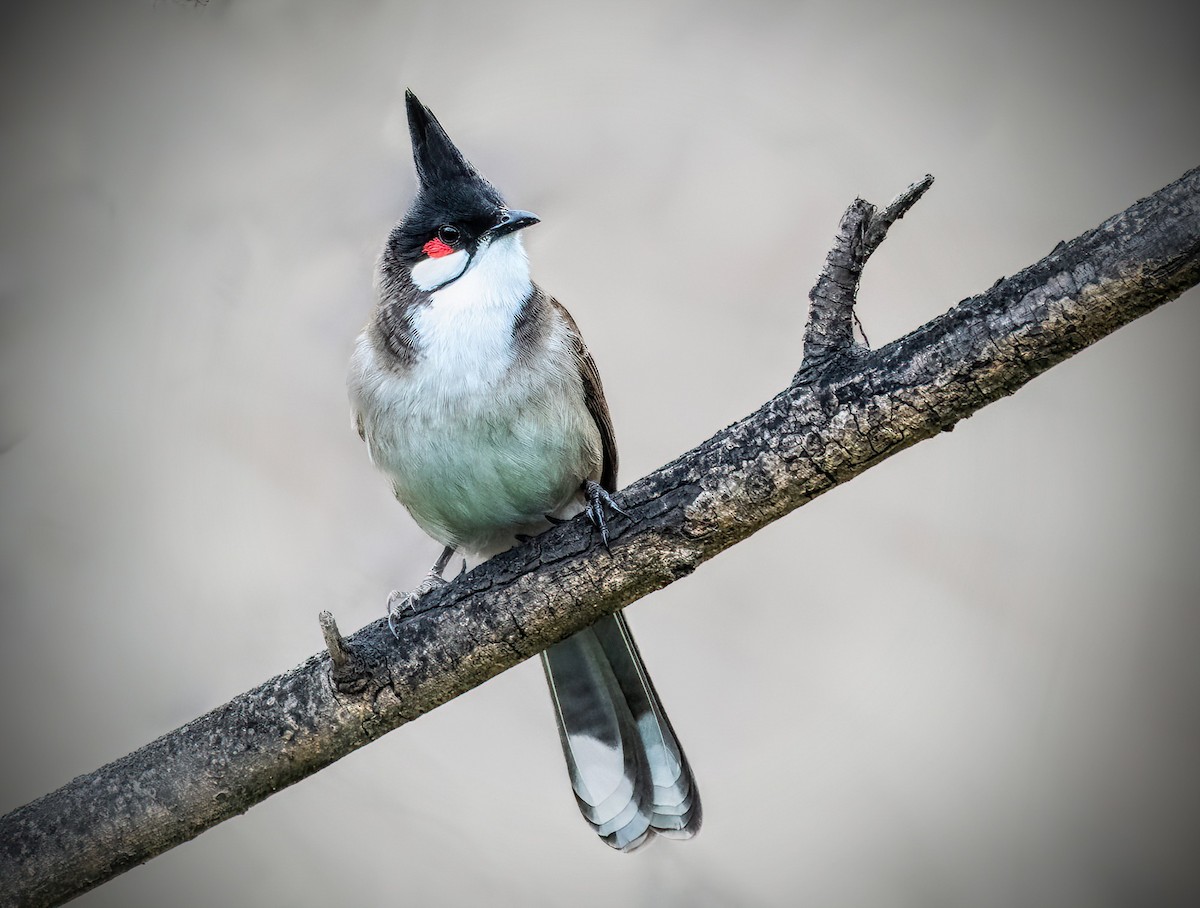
[[464, 333]]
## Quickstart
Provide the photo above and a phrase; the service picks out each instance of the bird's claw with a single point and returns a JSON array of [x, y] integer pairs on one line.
[[400, 601], [598, 499]]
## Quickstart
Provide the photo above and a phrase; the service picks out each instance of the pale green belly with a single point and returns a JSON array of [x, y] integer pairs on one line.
[[471, 477]]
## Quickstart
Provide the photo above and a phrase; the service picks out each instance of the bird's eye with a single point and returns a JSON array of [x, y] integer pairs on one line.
[[448, 235]]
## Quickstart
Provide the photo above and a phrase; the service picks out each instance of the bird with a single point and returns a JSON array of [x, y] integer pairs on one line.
[[479, 401]]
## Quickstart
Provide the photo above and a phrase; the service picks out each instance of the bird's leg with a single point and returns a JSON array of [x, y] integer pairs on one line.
[[597, 500], [400, 601]]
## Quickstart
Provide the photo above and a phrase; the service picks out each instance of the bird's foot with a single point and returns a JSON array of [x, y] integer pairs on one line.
[[400, 601], [598, 499]]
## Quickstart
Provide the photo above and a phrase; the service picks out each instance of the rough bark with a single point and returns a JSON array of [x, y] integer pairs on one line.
[[847, 409]]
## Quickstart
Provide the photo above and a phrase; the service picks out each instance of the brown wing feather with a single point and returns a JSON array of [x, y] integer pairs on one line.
[[593, 393]]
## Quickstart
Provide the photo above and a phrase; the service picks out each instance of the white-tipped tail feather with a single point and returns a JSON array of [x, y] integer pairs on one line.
[[630, 776]]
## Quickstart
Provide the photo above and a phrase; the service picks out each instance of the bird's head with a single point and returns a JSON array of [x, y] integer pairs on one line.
[[457, 215]]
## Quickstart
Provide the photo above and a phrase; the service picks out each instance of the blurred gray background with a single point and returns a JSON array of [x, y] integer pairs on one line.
[[982, 690]]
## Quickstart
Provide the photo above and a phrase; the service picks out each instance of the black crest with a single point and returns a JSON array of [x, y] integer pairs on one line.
[[449, 191], [437, 158], [449, 187]]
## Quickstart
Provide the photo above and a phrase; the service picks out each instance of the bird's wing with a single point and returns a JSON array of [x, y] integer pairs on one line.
[[593, 393]]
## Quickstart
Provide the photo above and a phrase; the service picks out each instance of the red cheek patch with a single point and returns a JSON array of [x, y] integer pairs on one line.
[[435, 248]]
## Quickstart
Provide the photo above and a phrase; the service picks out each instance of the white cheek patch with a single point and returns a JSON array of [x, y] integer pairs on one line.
[[431, 273]]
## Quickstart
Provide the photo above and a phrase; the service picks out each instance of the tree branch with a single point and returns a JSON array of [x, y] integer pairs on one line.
[[847, 409], [830, 331]]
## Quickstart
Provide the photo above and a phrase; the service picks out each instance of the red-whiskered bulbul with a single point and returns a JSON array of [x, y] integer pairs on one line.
[[480, 403]]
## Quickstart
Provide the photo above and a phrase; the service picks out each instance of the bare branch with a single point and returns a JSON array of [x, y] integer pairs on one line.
[[880, 221], [847, 410], [830, 331]]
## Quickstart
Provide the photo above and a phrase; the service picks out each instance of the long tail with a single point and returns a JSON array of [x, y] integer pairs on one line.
[[630, 775]]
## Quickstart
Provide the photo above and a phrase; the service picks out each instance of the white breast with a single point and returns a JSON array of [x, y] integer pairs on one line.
[[464, 334]]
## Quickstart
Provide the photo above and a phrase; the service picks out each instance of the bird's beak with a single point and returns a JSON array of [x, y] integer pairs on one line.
[[512, 220]]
